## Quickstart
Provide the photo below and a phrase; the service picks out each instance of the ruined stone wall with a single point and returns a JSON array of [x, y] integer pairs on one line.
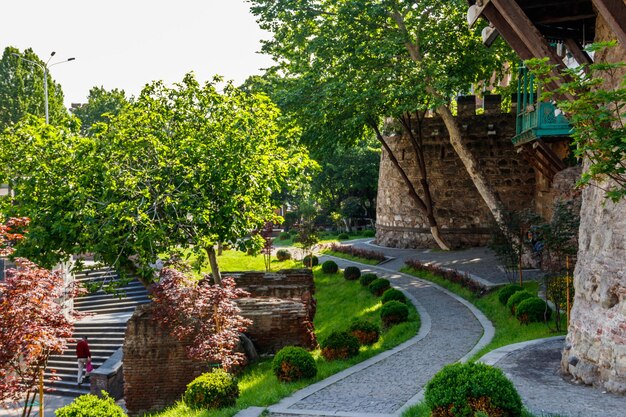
[[460, 211], [156, 367], [595, 351]]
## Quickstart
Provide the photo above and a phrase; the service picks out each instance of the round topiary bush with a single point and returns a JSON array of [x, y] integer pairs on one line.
[[343, 236], [379, 286], [532, 309], [517, 298], [352, 273], [367, 278], [394, 312], [284, 236], [507, 291], [472, 389], [366, 332], [310, 261], [283, 255], [330, 267], [90, 405], [369, 233], [339, 345], [293, 363], [393, 294], [215, 389]]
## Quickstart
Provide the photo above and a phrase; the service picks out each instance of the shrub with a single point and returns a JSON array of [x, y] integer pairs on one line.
[[343, 236], [507, 291], [517, 298], [90, 405], [339, 345], [394, 312], [369, 233], [532, 309], [461, 278], [330, 267], [283, 255], [293, 232], [284, 236], [470, 389], [216, 389], [358, 252], [352, 273], [310, 261], [379, 286], [292, 363], [393, 294], [367, 279], [366, 332]]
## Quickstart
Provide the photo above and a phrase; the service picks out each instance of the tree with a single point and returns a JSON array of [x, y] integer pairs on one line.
[[101, 106], [349, 63], [205, 314], [21, 89], [33, 323]]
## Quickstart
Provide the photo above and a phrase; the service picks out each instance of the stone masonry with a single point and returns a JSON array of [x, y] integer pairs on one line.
[[460, 211], [595, 351], [156, 367]]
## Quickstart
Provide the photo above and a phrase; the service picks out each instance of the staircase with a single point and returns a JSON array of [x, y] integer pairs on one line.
[[104, 328]]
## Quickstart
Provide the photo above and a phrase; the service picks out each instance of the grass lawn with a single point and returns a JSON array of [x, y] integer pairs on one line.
[[233, 260], [338, 303], [325, 237], [351, 258], [508, 329]]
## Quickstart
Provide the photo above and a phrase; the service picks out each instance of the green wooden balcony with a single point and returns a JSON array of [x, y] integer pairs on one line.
[[536, 119]]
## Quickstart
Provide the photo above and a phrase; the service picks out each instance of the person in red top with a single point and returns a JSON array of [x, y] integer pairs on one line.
[[83, 356]]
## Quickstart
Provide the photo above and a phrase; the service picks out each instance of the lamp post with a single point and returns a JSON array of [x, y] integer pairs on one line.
[[46, 69]]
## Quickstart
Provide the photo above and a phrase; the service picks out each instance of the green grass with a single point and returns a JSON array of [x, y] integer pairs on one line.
[[508, 329], [338, 303], [351, 257], [325, 237], [233, 260]]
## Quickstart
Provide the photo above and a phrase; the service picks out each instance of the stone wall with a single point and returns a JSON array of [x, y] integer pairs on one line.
[[156, 367], [460, 211], [595, 350]]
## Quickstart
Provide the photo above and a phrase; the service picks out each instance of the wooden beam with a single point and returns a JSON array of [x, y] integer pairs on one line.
[[553, 159], [614, 12], [577, 52], [507, 32], [564, 19]]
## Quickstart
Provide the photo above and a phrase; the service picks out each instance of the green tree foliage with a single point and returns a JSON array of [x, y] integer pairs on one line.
[[100, 107], [21, 89]]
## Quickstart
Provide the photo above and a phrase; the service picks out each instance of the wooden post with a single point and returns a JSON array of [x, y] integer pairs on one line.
[[41, 392]]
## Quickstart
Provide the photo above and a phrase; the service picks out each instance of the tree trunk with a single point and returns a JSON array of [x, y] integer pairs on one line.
[[421, 206], [215, 269]]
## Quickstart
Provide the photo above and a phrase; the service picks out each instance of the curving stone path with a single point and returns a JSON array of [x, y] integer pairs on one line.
[[385, 384]]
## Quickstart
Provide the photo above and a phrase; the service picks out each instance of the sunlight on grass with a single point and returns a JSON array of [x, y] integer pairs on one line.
[[508, 329], [338, 303]]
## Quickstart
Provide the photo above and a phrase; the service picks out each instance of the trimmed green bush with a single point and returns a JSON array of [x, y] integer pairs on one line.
[[293, 363], [310, 261], [330, 267], [379, 286], [369, 233], [366, 332], [367, 278], [284, 236], [90, 405], [471, 389], [393, 294], [283, 255], [394, 312], [293, 232], [352, 273], [507, 291], [339, 345], [532, 309], [517, 298], [216, 389], [343, 236]]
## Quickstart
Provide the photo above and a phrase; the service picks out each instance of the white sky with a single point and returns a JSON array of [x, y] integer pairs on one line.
[[126, 44]]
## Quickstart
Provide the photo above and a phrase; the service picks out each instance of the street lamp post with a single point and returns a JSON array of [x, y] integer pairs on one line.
[[46, 69]]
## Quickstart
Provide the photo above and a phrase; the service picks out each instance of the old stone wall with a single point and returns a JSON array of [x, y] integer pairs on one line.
[[595, 350], [463, 217], [156, 367]]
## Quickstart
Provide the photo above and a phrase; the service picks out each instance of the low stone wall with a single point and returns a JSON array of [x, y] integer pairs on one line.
[[156, 367]]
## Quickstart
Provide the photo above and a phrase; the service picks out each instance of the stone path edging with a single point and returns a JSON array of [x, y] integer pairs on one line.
[[496, 355]]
